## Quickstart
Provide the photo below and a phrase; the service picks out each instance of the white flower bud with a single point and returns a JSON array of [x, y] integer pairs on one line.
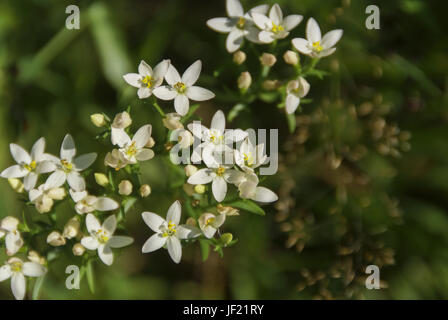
[[122, 120], [125, 188], [55, 239], [299, 87], [172, 121], [268, 59], [101, 179], [185, 139], [116, 160], [190, 170], [9, 223], [291, 57], [191, 222], [57, 193], [71, 228], [44, 205], [98, 120], [78, 249], [33, 256], [239, 57], [16, 185], [145, 190], [199, 188], [150, 143], [244, 80], [270, 84]]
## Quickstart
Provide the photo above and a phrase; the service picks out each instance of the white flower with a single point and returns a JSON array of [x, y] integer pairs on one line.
[[116, 160], [172, 121], [102, 239], [183, 137], [315, 45], [56, 239], [247, 183], [29, 166], [295, 90], [168, 232], [69, 167], [238, 25], [147, 79], [122, 120], [16, 269], [133, 150], [209, 223], [182, 88], [13, 239], [86, 203], [249, 157], [43, 197], [275, 26]]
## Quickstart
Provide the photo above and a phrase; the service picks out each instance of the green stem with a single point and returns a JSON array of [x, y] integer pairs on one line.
[[159, 109]]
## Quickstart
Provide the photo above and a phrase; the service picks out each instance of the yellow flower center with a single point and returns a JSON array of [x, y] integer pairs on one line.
[[180, 87], [317, 47], [102, 236], [16, 266], [248, 159], [241, 23], [209, 221], [277, 28], [131, 150], [66, 166], [171, 230], [220, 171], [148, 81], [31, 167]]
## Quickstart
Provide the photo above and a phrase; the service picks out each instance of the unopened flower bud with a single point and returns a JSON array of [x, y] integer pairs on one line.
[[270, 84], [190, 170], [45, 205], [172, 121], [55, 239], [191, 222], [98, 120], [16, 185], [33, 256], [185, 139], [78, 249], [9, 223], [122, 120], [125, 188], [199, 188], [145, 190], [239, 57], [150, 143], [226, 238], [101, 179], [268, 59], [57, 193], [291, 57], [244, 80], [71, 228]]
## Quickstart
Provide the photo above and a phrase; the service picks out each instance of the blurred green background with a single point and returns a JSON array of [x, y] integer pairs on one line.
[[363, 180]]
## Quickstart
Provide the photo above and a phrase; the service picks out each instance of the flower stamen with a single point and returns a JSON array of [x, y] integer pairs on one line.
[[180, 87]]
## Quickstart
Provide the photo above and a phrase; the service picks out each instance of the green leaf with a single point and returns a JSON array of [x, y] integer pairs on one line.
[[128, 203], [248, 205], [90, 276], [205, 249], [291, 118], [235, 111], [37, 287]]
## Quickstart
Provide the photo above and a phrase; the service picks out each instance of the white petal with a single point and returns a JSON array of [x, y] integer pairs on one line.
[[313, 31], [144, 93], [161, 69], [19, 154], [290, 22], [145, 155], [327, 52], [292, 102], [218, 121], [262, 21], [202, 176], [209, 231], [187, 232], [155, 242], [16, 171], [153, 221], [234, 135], [56, 179], [105, 254], [78, 196], [144, 69], [263, 194], [235, 177], [105, 204], [234, 40], [172, 76], [220, 24], [110, 224], [92, 223], [84, 161], [30, 181], [133, 79], [119, 241], [18, 285], [38, 149], [90, 243], [266, 36], [13, 242], [301, 45], [165, 93], [142, 136], [331, 38], [181, 104], [199, 94], [263, 9], [119, 137], [219, 188], [174, 249], [276, 14], [5, 272], [34, 194], [46, 167], [76, 181], [252, 34], [33, 269], [191, 75], [234, 8], [174, 213], [68, 149]]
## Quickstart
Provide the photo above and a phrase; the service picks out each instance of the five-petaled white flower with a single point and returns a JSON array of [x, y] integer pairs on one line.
[[86, 203], [182, 88], [13, 239], [168, 232], [247, 183], [315, 45], [249, 157], [69, 167], [238, 25], [133, 150], [275, 26], [16, 269], [295, 90], [102, 239], [147, 79], [209, 223], [29, 166]]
